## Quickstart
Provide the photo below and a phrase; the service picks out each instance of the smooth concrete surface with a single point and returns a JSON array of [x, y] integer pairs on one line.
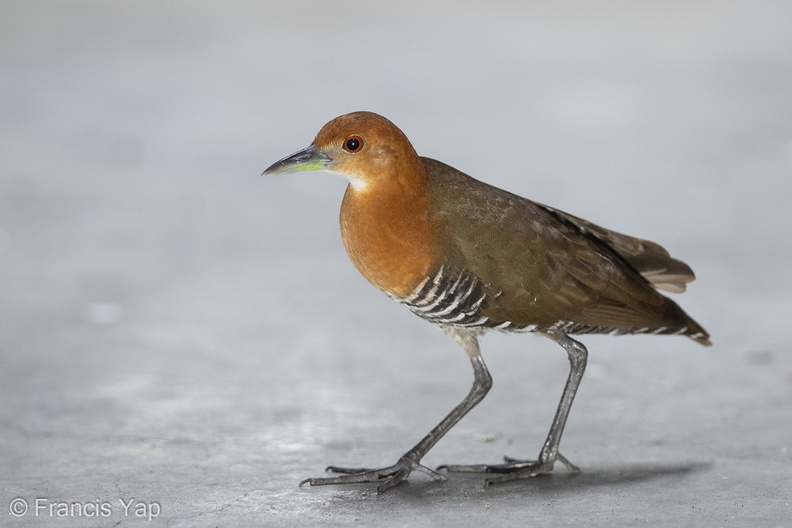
[[181, 335]]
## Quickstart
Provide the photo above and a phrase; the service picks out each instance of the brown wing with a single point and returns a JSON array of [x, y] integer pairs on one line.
[[540, 266]]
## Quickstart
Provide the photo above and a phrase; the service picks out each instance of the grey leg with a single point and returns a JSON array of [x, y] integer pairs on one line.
[[410, 461], [517, 469]]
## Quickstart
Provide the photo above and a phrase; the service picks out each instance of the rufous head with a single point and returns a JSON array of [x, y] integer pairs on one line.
[[364, 147]]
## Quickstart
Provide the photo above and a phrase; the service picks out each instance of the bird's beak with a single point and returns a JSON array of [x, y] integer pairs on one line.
[[307, 159]]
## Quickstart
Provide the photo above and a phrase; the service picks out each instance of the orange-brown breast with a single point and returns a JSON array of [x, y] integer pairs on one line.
[[388, 234]]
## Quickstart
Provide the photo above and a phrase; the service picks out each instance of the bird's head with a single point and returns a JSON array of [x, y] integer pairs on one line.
[[364, 147]]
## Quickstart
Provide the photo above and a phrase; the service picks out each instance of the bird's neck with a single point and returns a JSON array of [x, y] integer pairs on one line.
[[387, 232]]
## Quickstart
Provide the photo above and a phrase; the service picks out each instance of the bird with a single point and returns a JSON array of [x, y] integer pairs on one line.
[[470, 258]]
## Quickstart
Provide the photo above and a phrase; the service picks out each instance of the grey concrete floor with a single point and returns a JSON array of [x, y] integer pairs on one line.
[[177, 332]]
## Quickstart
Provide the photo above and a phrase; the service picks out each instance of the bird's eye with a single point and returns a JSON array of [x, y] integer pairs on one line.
[[353, 144]]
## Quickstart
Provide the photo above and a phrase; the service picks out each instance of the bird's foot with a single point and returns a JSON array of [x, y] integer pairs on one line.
[[392, 475], [514, 469]]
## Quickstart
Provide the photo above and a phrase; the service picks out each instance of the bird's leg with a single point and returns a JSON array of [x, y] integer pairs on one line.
[[514, 469], [410, 461]]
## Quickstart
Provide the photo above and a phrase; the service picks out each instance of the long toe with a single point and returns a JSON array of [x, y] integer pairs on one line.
[[349, 471], [352, 477], [518, 464], [512, 468], [511, 465], [392, 475], [465, 468], [534, 470]]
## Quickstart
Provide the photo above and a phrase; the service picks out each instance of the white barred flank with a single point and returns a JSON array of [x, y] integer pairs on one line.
[[448, 299], [456, 299], [571, 327]]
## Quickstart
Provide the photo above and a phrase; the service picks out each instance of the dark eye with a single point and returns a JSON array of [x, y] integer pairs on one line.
[[353, 144]]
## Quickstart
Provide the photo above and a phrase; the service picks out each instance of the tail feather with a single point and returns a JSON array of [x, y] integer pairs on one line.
[[656, 265], [649, 258]]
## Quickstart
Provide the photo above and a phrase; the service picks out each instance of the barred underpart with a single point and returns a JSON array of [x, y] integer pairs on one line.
[[572, 328], [456, 299], [452, 299]]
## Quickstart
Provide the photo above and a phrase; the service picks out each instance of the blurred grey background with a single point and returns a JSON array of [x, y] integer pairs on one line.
[[176, 330]]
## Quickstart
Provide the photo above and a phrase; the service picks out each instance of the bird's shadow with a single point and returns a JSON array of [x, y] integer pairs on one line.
[[557, 483]]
